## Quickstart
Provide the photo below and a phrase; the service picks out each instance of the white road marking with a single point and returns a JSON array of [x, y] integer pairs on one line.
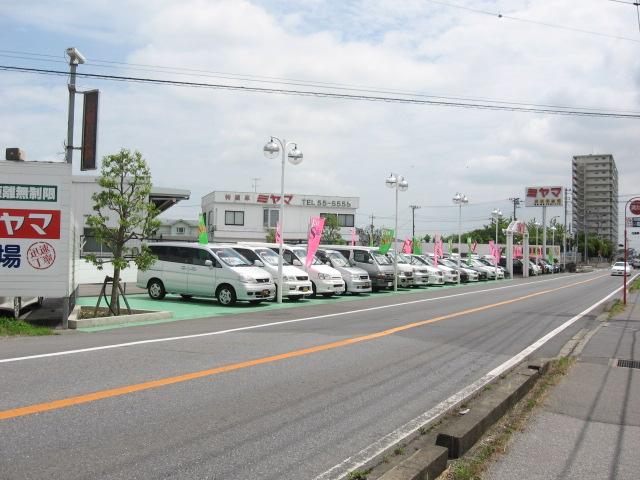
[[376, 449], [264, 325]]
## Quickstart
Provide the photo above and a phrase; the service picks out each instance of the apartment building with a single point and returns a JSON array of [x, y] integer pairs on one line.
[[595, 195]]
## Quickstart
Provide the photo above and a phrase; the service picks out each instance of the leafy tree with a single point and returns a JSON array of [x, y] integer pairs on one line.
[[271, 235], [331, 233], [427, 238], [123, 212], [366, 237]]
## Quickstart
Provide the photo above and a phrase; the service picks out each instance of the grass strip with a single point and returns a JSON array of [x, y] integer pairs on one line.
[[635, 285], [472, 465], [12, 328], [616, 308]]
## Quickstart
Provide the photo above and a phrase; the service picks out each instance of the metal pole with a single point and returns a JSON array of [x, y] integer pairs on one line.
[[544, 232], [72, 106], [395, 235], [624, 289], [496, 263], [459, 234], [564, 234], [283, 146]]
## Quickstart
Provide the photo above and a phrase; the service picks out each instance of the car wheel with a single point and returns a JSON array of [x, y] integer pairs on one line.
[[314, 291], [156, 289], [186, 297], [226, 295]]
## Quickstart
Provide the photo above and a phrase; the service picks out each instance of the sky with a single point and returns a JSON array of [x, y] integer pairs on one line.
[[205, 139]]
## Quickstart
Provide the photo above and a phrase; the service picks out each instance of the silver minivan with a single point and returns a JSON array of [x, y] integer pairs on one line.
[[377, 265], [356, 279], [197, 270]]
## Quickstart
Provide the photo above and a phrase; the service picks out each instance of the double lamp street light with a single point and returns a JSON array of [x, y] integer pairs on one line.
[[290, 150], [460, 199], [400, 184]]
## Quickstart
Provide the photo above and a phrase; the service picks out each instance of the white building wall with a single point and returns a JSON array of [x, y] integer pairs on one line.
[[298, 211]]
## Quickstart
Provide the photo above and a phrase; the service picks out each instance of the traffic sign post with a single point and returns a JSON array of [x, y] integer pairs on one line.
[[633, 205]]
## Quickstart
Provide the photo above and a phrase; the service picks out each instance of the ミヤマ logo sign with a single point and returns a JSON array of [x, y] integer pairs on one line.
[[635, 207]]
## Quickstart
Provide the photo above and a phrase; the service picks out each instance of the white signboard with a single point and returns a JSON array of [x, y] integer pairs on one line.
[[289, 199], [543, 196], [37, 242]]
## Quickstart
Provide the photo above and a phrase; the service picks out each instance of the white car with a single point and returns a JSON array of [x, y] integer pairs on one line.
[[196, 270], [619, 268], [450, 275], [325, 280], [435, 275], [490, 264]]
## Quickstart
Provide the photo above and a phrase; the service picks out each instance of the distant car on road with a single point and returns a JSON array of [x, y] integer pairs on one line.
[[635, 263], [619, 268]]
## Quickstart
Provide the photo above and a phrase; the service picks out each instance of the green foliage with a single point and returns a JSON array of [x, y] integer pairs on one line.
[[367, 237], [10, 327], [123, 212], [331, 233], [427, 238], [271, 235]]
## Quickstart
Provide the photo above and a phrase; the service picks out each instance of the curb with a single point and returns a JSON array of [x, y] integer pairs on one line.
[[457, 435], [75, 322]]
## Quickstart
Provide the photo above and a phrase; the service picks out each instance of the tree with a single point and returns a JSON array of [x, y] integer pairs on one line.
[[427, 238], [271, 235], [366, 237], [331, 232], [123, 212]]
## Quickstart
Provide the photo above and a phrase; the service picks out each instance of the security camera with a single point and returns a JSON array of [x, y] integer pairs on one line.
[[75, 56]]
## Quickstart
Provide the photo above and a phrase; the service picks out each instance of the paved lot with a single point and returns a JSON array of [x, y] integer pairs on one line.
[[286, 394]]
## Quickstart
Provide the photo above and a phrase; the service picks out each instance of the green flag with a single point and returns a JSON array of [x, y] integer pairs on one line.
[[417, 246], [386, 240], [450, 243], [202, 231]]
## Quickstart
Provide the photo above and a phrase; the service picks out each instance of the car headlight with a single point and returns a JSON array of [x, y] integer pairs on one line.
[[324, 276], [247, 279]]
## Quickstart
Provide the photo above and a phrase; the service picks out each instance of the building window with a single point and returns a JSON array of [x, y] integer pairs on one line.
[[270, 217], [232, 217], [344, 219], [180, 230]]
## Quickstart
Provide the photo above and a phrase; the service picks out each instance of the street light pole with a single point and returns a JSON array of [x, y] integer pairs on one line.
[[271, 150], [399, 183], [497, 215], [626, 207], [460, 199], [75, 59]]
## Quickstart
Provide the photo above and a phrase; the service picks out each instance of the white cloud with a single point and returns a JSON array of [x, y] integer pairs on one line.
[[206, 139]]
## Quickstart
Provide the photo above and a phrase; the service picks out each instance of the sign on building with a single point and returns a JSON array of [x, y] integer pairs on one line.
[[543, 196], [38, 243]]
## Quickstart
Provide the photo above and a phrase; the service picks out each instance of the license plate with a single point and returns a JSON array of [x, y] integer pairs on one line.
[[390, 284]]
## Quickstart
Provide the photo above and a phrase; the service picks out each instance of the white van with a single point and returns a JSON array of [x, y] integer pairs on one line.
[[16, 304], [356, 279], [325, 280], [296, 281], [197, 270]]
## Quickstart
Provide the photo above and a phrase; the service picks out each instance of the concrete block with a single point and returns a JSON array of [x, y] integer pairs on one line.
[[118, 320], [425, 464]]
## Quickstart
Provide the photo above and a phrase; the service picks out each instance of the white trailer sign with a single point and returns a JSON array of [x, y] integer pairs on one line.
[[37, 230]]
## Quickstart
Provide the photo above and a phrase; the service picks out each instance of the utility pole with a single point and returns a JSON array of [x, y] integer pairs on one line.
[[516, 204], [371, 236], [75, 59], [254, 181], [564, 233], [413, 220]]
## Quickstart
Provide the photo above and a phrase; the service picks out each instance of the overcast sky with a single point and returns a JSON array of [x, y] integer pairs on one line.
[[205, 140]]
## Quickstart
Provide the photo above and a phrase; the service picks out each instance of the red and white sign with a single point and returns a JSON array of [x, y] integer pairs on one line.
[[28, 223], [634, 207], [41, 255], [543, 196]]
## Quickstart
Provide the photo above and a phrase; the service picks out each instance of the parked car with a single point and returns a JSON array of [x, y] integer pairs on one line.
[[436, 276], [466, 274], [635, 263], [534, 269], [196, 270], [490, 272], [416, 275], [489, 263], [619, 268], [378, 266], [517, 266], [295, 280], [325, 280], [450, 275], [15, 305], [545, 266], [356, 279]]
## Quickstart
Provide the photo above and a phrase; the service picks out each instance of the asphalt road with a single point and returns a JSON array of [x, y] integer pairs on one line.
[[282, 401]]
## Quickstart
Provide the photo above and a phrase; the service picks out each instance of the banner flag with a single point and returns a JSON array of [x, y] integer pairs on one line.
[[385, 241], [468, 251], [417, 247], [407, 246], [450, 246], [315, 234], [278, 232], [202, 231], [353, 237]]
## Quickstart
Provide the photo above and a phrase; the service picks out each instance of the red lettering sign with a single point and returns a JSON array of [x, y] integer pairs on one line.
[[19, 223]]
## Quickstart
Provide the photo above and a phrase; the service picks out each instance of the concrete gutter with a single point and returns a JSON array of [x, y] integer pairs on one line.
[[75, 322]]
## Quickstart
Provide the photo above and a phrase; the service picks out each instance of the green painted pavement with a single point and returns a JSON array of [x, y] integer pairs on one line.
[[208, 307]]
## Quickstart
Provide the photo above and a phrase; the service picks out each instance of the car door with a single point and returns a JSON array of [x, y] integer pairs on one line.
[[174, 270], [202, 277]]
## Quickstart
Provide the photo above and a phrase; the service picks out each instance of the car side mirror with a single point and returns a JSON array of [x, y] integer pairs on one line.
[[258, 263], [297, 262], [208, 263]]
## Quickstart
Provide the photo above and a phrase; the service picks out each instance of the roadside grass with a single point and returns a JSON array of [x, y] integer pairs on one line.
[[616, 308], [635, 285], [358, 474], [12, 328], [496, 441]]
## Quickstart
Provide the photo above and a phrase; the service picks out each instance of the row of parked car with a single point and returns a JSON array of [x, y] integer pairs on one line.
[[536, 267], [248, 271]]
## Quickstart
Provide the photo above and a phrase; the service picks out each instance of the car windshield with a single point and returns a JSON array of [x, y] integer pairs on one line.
[[448, 263], [619, 264], [405, 258], [301, 253], [419, 260], [381, 259], [484, 261], [269, 256], [337, 259], [231, 257]]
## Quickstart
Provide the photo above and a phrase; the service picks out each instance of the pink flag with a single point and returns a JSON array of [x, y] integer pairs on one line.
[[353, 237], [407, 246], [315, 234], [278, 233], [437, 249], [474, 245]]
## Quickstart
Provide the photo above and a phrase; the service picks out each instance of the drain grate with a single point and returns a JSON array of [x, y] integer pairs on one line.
[[628, 363]]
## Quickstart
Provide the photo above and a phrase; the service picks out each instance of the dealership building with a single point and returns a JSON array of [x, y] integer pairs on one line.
[[248, 216]]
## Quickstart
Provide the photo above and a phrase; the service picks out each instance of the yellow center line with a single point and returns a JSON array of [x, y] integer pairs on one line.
[[115, 392]]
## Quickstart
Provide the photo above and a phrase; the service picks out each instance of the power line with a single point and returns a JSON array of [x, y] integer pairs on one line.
[[342, 96], [534, 22]]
